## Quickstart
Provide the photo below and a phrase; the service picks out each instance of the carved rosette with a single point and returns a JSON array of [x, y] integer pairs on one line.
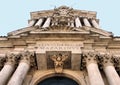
[[87, 58], [105, 60], [59, 62]]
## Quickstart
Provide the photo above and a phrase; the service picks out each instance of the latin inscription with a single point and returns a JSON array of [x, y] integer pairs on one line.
[[44, 46]]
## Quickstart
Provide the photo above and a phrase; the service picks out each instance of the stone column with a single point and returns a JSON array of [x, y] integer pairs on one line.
[[92, 69], [39, 22], [110, 72], [77, 22], [47, 22], [95, 24], [22, 69], [8, 69], [86, 22], [31, 23]]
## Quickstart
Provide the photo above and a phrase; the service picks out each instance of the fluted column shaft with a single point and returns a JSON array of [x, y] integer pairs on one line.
[[31, 23], [47, 22], [21, 71], [86, 22], [7, 70], [39, 22], [92, 69], [95, 24], [110, 72], [77, 22]]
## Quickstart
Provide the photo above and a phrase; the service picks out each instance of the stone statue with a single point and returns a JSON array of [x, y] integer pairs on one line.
[[59, 62]]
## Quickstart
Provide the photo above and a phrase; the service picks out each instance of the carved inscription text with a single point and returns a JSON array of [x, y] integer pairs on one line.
[[73, 46]]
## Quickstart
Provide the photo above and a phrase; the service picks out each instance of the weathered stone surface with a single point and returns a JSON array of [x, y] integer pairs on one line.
[[64, 31]]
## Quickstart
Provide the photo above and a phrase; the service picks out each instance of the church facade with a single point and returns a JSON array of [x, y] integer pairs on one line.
[[63, 46]]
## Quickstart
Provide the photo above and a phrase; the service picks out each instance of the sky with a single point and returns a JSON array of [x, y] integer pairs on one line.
[[14, 14]]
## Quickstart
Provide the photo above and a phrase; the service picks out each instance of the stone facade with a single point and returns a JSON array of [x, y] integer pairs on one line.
[[60, 42]]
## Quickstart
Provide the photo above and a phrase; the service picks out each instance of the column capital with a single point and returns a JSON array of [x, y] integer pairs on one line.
[[89, 57], [106, 60], [11, 59], [26, 56]]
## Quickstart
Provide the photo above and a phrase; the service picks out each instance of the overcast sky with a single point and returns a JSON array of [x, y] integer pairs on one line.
[[14, 14]]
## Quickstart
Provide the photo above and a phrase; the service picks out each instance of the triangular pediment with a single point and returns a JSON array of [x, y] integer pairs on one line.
[[61, 29]]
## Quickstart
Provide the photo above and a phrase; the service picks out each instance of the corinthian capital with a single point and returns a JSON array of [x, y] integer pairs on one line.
[[106, 59], [26, 56], [89, 57], [11, 58]]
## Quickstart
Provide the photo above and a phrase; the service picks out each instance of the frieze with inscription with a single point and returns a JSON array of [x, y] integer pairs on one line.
[[44, 46]]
